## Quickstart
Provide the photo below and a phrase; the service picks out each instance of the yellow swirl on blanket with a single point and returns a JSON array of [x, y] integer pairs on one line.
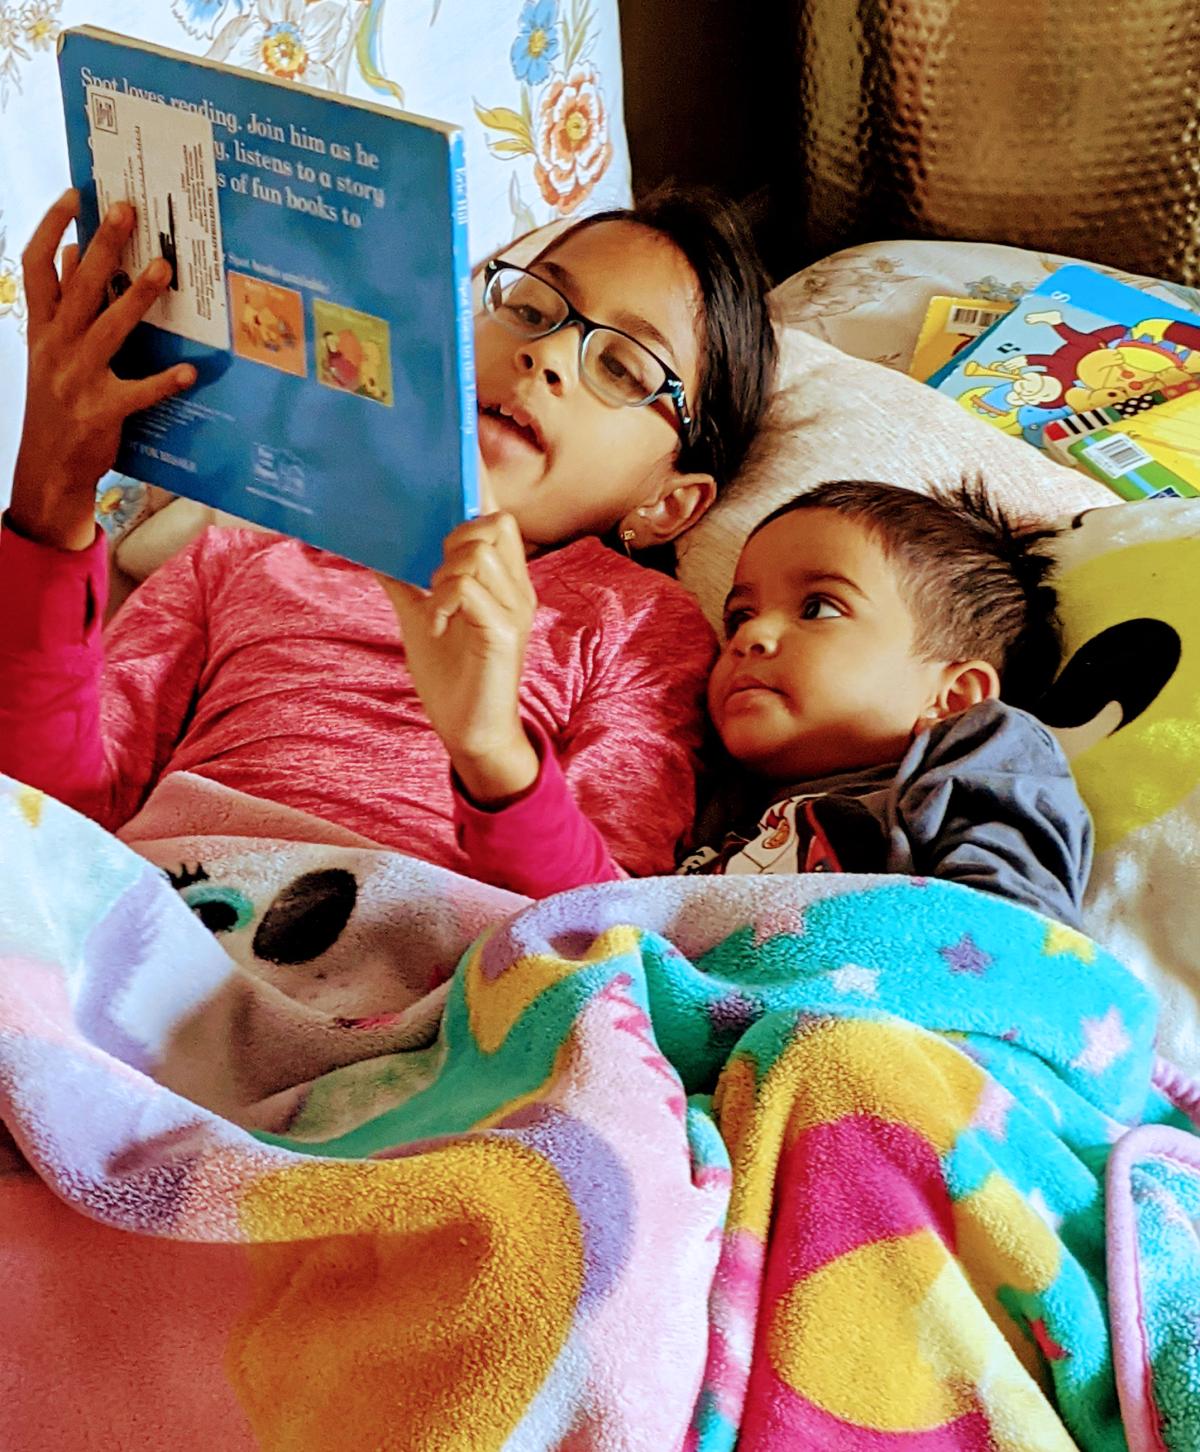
[[495, 1004], [467, 1256]]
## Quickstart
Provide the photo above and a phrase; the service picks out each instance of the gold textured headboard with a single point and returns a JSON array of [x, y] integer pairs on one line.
[[1068, 126]]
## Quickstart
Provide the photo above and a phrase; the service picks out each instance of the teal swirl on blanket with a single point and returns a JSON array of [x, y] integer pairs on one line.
[[850, 1163]]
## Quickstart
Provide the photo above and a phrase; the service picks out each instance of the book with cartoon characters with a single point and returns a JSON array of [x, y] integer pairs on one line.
[[1145, 453], [1079, 341], [951, 325], [321, 288]]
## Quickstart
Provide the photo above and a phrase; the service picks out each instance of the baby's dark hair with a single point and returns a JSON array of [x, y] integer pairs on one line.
[[975, 581], [738, 350]]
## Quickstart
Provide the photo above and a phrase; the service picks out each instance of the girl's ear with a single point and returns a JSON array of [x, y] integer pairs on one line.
[[964, 684], [675, 510]]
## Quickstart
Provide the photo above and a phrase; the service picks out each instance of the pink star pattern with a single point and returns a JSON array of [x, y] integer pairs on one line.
[[1105, 1039], [991, 1113], [774, 922], [966, 957]]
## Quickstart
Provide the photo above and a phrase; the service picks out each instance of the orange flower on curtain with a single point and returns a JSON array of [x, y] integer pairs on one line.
[[571, 145], [562, 120]]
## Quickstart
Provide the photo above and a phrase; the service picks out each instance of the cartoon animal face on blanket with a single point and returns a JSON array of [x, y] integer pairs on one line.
[[356, 934]]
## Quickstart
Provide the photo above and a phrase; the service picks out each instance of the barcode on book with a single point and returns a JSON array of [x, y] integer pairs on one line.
[[1116, 456], [969, 320]]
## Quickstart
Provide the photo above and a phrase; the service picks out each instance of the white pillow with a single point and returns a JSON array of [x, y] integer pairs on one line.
[[871, 300], [537, 90], [838, 417]]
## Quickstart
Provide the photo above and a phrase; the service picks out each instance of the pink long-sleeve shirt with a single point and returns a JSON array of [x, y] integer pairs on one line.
[[275, 669]]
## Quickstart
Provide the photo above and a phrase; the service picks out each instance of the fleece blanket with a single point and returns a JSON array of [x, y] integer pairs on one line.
[[850, 1163]]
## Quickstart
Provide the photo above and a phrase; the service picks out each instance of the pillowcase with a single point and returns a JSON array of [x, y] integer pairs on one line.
[[871, 300], [838, 417], [1126, 707]]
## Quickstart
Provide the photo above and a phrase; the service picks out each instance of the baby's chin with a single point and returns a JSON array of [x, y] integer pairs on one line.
[[781, 758], [763, 752]]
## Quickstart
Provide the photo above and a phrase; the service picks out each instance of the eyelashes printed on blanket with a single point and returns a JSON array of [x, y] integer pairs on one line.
[[303, 921], [186, 876]]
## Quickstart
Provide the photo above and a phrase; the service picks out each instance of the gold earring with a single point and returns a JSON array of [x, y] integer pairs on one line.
[[627, 539]]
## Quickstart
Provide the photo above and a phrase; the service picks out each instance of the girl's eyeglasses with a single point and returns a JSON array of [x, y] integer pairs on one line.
[[615, 366]]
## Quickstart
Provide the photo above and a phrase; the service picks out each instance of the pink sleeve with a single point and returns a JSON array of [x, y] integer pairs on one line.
[[631, 749], [538, 843], [93, 734]]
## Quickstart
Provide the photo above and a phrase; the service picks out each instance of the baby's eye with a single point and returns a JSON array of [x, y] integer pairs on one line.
[[818, 607], [734, 620]]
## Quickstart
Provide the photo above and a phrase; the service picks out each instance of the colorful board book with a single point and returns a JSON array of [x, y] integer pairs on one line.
[[1150, 454], [951, 324], [1078, 341], [321, 288], [1059, 435]]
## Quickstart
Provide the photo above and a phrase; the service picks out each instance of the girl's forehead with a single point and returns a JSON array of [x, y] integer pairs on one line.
[[618, 271]]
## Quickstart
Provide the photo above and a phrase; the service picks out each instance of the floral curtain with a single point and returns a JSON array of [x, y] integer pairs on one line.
[[535, 84]]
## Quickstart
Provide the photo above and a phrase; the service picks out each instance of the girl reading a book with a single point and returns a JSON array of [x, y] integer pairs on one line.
[[621, 377]]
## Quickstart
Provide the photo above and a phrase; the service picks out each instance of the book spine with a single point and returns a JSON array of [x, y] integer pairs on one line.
[[465, 328]]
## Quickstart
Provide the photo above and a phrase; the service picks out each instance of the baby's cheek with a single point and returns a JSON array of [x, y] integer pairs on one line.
[[716, 681]]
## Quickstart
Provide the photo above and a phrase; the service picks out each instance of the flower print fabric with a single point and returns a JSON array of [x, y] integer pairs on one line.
[[287, 39], [571, 141], [537, 44]]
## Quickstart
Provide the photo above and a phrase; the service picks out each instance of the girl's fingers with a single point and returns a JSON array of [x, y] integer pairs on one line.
[[463, 595], [116, 323], [485, 564], [70, 261], [499, 534], [42, 290], [96, 267], [143, 393], [511, 545]]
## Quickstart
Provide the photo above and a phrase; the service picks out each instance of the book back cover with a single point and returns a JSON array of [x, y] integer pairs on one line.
[[321, 288]]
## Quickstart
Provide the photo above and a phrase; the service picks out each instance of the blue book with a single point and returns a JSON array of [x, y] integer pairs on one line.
[[321, 287], [1078, 341]]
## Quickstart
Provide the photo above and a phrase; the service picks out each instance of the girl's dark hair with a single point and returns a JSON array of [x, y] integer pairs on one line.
[[975, 582], [738, 350]]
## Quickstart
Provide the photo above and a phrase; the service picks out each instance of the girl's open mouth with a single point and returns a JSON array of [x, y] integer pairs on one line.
[[519, 428]]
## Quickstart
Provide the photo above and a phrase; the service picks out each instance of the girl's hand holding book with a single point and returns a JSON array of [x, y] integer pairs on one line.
[[74, 403], [465, 640]]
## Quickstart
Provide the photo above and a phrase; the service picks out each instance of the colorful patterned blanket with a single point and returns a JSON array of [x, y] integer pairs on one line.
[[848, 1163]]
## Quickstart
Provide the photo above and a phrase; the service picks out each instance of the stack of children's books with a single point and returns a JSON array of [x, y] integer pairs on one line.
[[1101, 375]]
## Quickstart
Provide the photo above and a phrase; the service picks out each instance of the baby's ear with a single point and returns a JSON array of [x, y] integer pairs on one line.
[[965, 685]]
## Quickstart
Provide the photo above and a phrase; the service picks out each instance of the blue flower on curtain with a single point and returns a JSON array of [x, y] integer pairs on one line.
[[204, 17], [536, 44]]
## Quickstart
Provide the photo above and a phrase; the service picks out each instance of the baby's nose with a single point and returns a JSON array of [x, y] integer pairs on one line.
[[755, 638]]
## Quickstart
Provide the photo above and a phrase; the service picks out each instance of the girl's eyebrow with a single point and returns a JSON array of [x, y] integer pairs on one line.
[[627, 322]]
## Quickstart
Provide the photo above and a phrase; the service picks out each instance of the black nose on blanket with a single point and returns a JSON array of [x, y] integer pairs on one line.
[[307, 917], [1129, 663]]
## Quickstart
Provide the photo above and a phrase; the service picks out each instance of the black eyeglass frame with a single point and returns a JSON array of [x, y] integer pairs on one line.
[[672, 385]]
